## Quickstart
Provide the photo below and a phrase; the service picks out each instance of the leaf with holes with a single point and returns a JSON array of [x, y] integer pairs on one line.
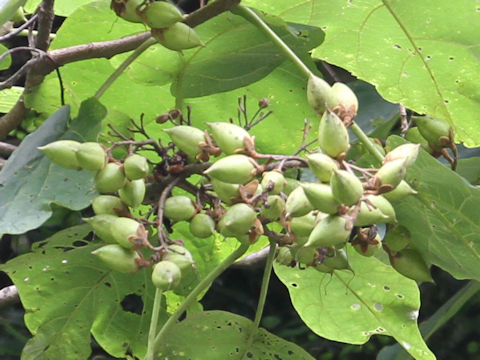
[[351, 307], [443, 218], [30, 182], [220, 335], [415, 53], [68, 293]]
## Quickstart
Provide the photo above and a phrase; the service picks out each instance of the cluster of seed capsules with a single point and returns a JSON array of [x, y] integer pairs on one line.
[[163, 18]]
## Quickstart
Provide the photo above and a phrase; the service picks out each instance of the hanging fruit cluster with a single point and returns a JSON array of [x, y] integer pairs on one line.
[[242, 193], [164, 20]]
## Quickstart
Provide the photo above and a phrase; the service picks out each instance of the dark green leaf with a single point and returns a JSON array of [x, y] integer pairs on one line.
[[220, 335], [30, 182]]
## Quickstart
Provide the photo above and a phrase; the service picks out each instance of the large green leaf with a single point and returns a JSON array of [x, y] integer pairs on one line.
[[351, 307], [220, 335], [30, 182], [68, 293], [443, 218], [95, 22], [422, 54], [62, 7]]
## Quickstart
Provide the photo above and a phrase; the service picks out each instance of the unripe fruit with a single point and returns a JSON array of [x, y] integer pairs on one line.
[[91, 156], [410, 263], [229, 137], [333, 136], [290, 185], [118, 258], [375, 210], [237, 220], [101, 225], [345, 98], [127, 9], [62, 153], [179, 208], [303, 225], [177, 37], [187, 139], [109, 204], [409, 152], [135, 167], [202, 226], [336, 260], [225, 191], [330, 231], [369, 249], [321, 197], [123, 229], [181, 257], [413, 135], [397, 238], [110, 178], [161, 14], [322, 166], [276, 178], [305, 256], [319, 94], [392, 172], [233, 169], [133, 192], [275, 209], [166, 275], [434, 130], [346, 187], [297, 203], [402, 190], [284, 256]]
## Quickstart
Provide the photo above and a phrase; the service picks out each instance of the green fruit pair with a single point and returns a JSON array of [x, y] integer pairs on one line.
[[114, 229]]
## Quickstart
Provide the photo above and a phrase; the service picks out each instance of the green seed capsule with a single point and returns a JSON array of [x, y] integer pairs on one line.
[[187, 139], [179, 208], [345, 98], [166, 275], [118, 258], [91, 156], [321, 197], [237, 220], [284, 256], [233, 169], [319, 94], [202, 226], [432, 129], [276, 179], [63, 153], [177, 37], [180, 256], [410, 263], [402, 190], [101, 225], [413, 135], [330, 231], [122, 229], [346, 187], [135, 167], [275, 209], [322, 166], [225, 191], [133, 192], [375, 210], [110, 178], [297, 203], [229, 137], [333, 135], [109, 204], [305, 255], [369, 249], [303, 225], [161, 14], [392, 172], [397, 238], [409, 152]]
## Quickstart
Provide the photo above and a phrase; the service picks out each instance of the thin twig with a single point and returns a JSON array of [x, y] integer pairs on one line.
[[19, 29]]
